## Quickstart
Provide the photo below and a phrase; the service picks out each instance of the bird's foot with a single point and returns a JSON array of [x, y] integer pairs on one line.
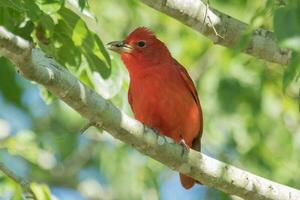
[[155, 130], [185, 147]]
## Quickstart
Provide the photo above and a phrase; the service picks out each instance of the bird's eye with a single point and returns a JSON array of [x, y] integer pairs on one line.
[[141, 44]]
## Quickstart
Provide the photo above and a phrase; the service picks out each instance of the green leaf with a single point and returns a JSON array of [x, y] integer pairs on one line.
[[95, 57], [11, 91], [96, 64], [10, 18], [79, 33], [292, 43], [26, 30], [292, 70], [66, 52], [69, 17], [47, 22], [82, 4], [50, 7], [41, 191], [14, 4], [287, 22], [32, 10], [103, 49], [88, 43], [85, 77], [287, 31]]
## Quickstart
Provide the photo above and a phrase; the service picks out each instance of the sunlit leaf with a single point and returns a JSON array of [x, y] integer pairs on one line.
[[79, 33], [50, 7], [292, 43], [87, 42], [41, 191], [102, 49]]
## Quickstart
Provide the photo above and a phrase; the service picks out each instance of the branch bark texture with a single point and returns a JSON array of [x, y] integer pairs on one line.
[[36, 66], [222, 29]]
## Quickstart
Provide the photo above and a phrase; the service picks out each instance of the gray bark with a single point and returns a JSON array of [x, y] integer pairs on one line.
[[222, 29]]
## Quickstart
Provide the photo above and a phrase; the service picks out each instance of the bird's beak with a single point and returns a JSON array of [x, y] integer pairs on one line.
[[119, 47]]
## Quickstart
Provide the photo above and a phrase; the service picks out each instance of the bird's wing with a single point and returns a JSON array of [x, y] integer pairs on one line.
[[191, 87]]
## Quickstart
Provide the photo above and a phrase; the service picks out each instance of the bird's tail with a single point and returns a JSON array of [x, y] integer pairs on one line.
[[186, 181]]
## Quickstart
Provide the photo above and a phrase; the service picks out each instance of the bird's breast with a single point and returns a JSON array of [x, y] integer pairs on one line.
[[161, 100]]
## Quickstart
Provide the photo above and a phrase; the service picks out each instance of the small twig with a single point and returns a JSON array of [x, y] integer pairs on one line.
[[210, 22], [205, 15], [19, 180], [88, 125], [213, 27]]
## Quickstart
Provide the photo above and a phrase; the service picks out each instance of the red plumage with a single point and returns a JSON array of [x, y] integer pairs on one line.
[[161, 93]]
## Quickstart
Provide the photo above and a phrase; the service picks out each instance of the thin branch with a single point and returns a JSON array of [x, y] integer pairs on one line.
[[95, 108], [21, 181], [87, 126], [222, 29]]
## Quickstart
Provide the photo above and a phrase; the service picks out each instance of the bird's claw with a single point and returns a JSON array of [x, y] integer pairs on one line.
[[155, 130], [185, 147]]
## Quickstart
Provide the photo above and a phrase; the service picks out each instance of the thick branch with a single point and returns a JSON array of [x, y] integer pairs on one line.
[[222, 29], [95, 108]]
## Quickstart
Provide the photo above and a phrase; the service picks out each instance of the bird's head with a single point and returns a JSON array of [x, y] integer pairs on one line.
[[141, 49]]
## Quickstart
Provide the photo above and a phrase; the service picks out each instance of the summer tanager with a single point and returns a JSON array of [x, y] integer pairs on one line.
[[161, 93]]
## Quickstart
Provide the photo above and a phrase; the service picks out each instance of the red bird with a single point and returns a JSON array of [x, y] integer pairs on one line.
[[161, 93]]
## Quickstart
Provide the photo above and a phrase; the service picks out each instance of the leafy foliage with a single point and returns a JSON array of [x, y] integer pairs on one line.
[[58, 31], [287, 30]]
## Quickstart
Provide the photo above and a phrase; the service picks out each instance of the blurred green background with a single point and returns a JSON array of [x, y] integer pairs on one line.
[[251, 107]]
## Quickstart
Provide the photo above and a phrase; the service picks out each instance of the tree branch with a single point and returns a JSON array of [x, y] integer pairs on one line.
[[222, 29], [213, 173], [21, 181]]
